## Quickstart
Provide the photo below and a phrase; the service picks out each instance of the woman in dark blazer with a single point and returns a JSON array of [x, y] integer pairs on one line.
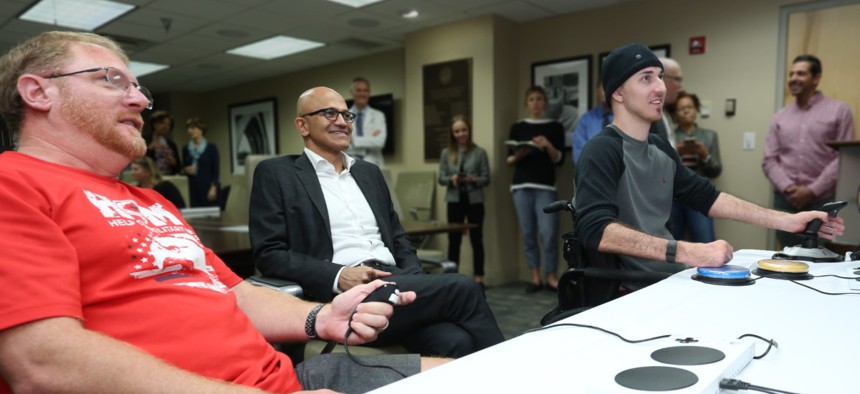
[[465, 170], [201, 164]]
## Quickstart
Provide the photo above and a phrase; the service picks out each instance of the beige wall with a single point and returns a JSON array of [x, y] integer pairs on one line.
[[740, 63], [488, 42]]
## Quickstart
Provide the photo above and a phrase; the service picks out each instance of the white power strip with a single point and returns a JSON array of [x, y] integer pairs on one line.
[[623, 356]]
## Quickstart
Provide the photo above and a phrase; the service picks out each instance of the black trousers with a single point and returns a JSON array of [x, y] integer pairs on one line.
[[475, 213], [450, 317]]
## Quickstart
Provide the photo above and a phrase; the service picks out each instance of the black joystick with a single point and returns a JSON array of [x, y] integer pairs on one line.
[[810, 233], [388, 293], [809, 250]]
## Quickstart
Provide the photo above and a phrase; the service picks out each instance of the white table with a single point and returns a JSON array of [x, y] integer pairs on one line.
[[818, 337]]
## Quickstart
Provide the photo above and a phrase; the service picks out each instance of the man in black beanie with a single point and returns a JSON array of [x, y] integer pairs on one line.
[[626, 180]]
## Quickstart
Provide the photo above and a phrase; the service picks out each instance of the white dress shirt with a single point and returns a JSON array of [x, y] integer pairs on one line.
[[354, 232], [670, 129]]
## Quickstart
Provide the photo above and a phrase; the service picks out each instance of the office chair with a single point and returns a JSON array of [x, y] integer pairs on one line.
[[592, 278], [414, 191], [236, 206], [181, 183]]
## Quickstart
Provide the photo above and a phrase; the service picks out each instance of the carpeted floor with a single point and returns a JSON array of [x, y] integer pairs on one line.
[[517, 311]]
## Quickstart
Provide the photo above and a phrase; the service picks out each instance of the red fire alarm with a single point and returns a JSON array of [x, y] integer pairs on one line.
[[697, 45]]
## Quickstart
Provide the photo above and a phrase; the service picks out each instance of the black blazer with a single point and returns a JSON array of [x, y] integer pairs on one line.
[[290, 231]]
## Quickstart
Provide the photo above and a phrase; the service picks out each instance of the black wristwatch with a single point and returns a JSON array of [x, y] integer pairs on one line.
[[311, 322], [671, 249]]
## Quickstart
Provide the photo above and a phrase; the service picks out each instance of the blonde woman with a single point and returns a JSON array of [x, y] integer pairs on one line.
[[465, 170], [146, 174]]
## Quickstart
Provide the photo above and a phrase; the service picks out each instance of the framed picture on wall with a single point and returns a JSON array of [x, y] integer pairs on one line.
[[568, 88], [447, 93], [253, 131], [664, 50]]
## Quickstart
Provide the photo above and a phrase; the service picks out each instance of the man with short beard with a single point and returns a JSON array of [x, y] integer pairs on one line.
[[105, 287], [797, 160], [628, 177], [326, 221]]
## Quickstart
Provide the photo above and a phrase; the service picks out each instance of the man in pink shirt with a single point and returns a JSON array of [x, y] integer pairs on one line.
[[797, 160]]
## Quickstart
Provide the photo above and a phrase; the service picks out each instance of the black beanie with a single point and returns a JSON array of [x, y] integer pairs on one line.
[[623, 62]]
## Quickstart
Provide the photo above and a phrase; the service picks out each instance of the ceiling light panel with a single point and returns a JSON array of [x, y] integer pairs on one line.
[[140, 69], [356, 3], [275, 47], [77, 14]]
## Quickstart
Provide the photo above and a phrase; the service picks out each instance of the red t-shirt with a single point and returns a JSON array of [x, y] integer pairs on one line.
[[123, 261]]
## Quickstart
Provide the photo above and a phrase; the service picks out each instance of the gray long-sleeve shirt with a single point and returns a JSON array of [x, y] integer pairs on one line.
[[634, 182]]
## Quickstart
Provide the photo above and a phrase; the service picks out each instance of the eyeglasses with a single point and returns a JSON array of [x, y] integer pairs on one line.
[[674, 78], [331, 114], [116, 78]]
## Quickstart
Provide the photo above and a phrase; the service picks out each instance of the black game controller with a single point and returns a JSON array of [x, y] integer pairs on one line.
[[388, 293], [810, 233]]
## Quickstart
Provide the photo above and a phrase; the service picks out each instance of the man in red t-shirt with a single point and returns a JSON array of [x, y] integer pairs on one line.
[[105, 286]]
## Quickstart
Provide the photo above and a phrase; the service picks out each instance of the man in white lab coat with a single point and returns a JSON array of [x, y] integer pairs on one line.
[[369, 131]]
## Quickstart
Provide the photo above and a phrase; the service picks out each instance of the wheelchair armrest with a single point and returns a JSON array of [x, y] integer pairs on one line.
[[447, 266], [281, 285]]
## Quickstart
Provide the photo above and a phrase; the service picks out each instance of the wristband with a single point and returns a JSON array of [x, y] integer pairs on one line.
[[671, 249], [311, 322]]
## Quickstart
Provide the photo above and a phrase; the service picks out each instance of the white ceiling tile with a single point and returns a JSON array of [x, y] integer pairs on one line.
[[171, 53], [179, 23], [213, 10], [518, 11], [262, 19]]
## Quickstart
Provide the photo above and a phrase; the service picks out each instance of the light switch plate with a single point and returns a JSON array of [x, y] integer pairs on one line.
[[705, 111], [749, 140]]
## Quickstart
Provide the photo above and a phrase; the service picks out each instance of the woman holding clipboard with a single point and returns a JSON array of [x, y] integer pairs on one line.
[[537, 152]]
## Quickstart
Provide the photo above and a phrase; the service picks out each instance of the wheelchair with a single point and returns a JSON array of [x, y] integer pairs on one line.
[[592, 278]]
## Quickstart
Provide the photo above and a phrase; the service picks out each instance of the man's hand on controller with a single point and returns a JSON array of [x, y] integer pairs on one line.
[[796, 223], [369, 320]]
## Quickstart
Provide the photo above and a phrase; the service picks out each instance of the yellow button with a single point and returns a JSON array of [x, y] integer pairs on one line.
[[783, 266]]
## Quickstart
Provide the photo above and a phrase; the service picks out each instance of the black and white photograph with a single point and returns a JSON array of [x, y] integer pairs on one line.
[[568, 88], [253, 131], [664, 50]]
